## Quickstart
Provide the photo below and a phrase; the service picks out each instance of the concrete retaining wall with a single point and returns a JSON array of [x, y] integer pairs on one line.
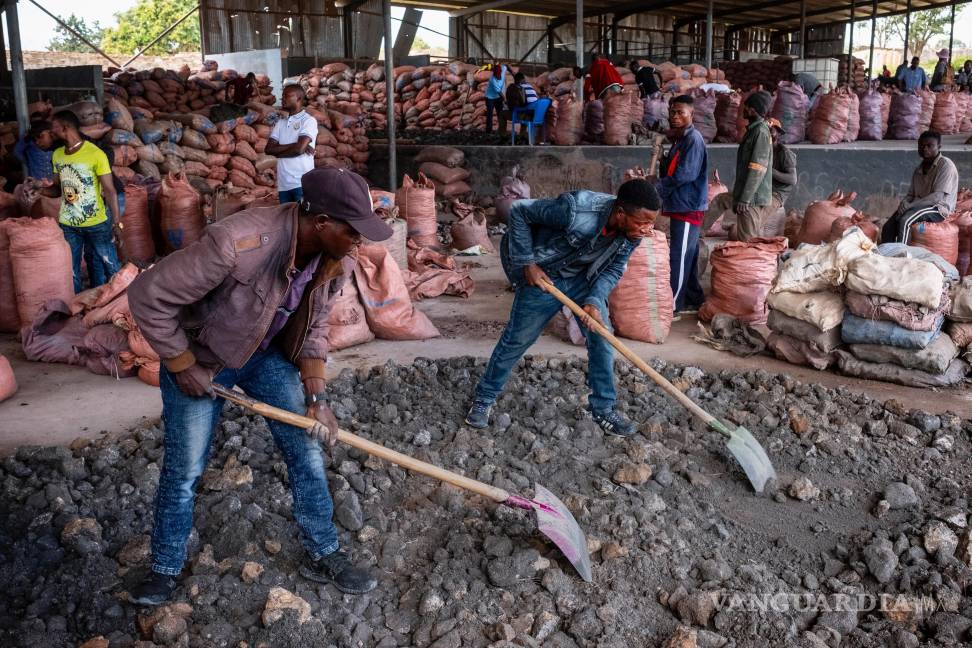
[[879, 172]]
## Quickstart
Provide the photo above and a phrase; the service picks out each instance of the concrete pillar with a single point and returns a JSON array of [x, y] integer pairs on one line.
[[389, 96]]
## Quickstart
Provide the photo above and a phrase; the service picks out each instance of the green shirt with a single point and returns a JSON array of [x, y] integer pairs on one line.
[[82, 204], [754, 162]]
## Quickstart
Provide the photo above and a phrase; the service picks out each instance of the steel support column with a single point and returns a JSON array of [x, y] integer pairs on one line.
[[850, 51], [390, 97], [870, 53], [803, 28], [579, 45], [951, 35], [18, 78], [907, 31], [708, 35]]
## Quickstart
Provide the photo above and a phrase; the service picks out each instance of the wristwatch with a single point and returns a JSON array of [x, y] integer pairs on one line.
[[319, 397]]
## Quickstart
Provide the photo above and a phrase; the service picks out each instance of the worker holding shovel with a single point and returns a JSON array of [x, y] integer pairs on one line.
[[248, 305], [579, 242]]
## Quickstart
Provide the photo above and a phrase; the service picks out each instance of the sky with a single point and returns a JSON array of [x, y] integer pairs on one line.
[[37, 29]]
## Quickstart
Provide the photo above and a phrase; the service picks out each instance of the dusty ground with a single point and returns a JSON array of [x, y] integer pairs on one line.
[[57, 403]]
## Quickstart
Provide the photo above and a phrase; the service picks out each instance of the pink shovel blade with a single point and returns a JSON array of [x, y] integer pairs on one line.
[[557, 523]]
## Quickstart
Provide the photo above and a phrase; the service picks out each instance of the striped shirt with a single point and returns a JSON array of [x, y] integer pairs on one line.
[[530, 92]]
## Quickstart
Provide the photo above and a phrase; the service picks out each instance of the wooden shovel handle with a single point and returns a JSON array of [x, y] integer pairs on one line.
[[658, 379], [410, 463]]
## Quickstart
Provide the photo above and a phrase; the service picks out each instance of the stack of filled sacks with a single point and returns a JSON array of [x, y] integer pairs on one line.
[[93, 329], [749, 74], [337, 87], [444, 166], [806, 305], [439, 97], [897, 300], [164, 121]]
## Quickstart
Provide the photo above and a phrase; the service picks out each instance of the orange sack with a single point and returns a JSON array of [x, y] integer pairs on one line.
[[742, 273], [182, 216], [641, 304], [9, 319], [8, 383], [416, 202], [384, 295], [41, 262], [941, 238]]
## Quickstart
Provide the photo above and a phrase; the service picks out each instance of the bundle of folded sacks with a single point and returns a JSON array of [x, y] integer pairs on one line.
[[876, 312], [95, 330]]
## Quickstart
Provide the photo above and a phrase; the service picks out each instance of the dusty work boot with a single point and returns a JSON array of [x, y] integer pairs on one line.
[[478, 416], [613, 422], [336, 568], [156, 589]]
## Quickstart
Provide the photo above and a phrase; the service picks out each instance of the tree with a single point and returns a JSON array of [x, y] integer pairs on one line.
[[144, 22], [924, 26], [65, 41], [419, 45]]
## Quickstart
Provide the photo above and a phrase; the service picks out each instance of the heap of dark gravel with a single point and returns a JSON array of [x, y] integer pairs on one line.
[[872, 499]]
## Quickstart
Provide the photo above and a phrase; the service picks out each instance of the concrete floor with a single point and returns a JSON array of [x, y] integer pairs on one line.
[[58, 403]]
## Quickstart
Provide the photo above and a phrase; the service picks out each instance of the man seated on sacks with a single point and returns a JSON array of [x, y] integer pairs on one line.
[[932, 194], [579, 242], [248, 305]]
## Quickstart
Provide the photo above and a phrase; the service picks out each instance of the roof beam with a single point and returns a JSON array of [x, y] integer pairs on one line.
[[627, 8], [478, 8], [833, 10], [726, 13]]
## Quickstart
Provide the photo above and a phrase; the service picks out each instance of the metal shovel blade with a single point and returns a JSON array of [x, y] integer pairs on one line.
[[557, 523], [751, 456]]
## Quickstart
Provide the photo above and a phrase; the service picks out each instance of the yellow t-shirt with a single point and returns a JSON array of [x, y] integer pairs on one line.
[[82, 204]]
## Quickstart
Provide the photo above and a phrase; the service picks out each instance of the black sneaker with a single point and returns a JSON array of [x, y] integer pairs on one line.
[[156, 589], [613, 422], [478, 416], [336, 568]]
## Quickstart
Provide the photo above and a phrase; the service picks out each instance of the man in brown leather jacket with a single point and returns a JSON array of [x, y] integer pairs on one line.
[[248, 305]]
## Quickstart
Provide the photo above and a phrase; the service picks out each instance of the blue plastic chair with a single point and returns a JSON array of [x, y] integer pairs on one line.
[[539, 110]]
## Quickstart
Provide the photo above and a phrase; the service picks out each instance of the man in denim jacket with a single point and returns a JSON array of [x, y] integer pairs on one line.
[[580, 242]]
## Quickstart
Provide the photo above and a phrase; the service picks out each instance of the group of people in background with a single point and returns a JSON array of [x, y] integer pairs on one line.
[[910, 76]]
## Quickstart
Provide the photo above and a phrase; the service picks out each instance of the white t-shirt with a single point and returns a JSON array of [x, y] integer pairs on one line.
[[288, 131]]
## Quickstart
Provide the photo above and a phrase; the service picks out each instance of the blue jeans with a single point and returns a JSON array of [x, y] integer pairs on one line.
[[532, 309], [291, 195], [189, 424], [95, 245], [497, 105], [683, 255]]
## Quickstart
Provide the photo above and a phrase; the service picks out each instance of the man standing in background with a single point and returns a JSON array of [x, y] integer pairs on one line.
[[913, 77], [784, 165], [292, 143], [752, 192], [84, 183], [684, 192]]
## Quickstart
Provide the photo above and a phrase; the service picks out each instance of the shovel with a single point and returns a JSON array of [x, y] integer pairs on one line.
[[740, 442], [553, 518]]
